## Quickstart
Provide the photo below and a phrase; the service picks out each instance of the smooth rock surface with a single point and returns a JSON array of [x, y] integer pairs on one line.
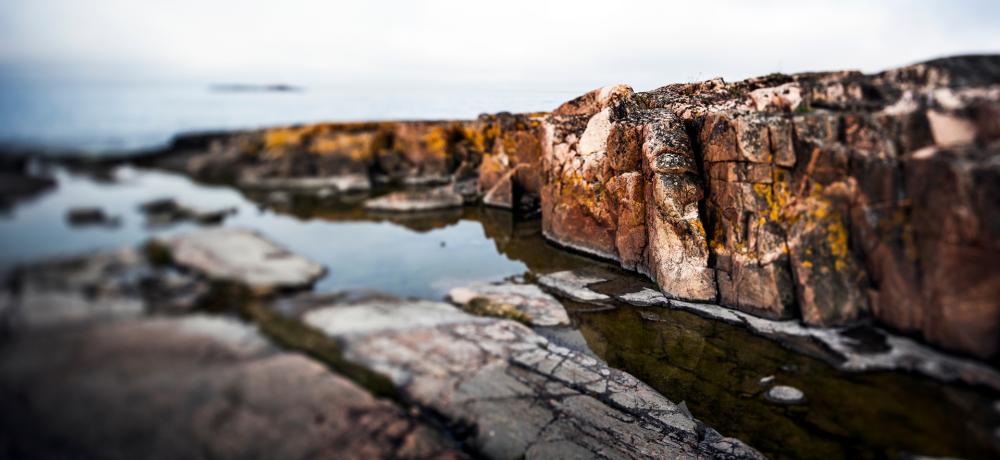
[[101, 285], [573, 284], [197, 387], [416, 200], [243, 256], [784, 394]]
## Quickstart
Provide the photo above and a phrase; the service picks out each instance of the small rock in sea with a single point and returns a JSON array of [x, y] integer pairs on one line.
[[167, 211], [766, 381], [85, 216], [784, 394]]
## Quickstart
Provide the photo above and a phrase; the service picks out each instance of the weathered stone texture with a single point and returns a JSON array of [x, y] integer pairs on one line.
[[502, 150], [823, 196]]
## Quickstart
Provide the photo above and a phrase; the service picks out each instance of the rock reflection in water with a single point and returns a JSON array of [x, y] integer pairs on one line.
[[717, 369]]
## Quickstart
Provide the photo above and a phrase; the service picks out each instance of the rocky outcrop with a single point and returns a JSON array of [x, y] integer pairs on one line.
[[502, 150], [823, 196]]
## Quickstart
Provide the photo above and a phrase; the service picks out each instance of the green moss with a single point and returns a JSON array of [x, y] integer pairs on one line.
[[292, 334], [485, 307]]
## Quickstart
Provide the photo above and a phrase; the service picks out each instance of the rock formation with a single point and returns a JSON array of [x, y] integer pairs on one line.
[[823, 196], [826, 197]]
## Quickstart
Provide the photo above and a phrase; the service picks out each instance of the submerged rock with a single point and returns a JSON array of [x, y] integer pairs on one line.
[[167, 211], [91, 216], [416, 200], [242, 256], [531, 305], [785, 394], [193, 387], [521, 395]]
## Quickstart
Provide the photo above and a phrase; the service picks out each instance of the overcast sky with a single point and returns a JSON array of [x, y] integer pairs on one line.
[[578, 44]]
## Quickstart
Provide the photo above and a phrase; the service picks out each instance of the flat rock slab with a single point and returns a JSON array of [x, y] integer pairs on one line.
[[573, 284], [243, 256], [347, 183], [519, 395], [416, 200], [197, 387], [100, 285], [528, 299]]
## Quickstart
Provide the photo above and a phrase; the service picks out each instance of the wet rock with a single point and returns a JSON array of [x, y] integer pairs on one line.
[[536, 307], [524, 396], [784, 394], [102, 285], [190, 388], [416, 200], [96, 286], [242, 256], [573, 284], [167, 211], [91, 216]]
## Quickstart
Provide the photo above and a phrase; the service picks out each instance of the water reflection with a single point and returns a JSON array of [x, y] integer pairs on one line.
[[716, 368]]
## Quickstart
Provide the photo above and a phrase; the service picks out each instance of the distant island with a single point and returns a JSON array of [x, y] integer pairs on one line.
[[244, 88]]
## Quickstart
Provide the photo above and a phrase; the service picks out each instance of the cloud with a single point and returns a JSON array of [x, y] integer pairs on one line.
[[545, 43]]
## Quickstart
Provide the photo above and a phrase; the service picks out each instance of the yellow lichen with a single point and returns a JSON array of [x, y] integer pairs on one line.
[[836, 237], [436, 142]]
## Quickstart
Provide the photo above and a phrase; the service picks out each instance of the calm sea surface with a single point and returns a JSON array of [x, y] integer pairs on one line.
[[108, 118]]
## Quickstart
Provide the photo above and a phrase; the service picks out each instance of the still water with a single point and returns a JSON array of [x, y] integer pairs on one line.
[[714, 367], [108, 118]]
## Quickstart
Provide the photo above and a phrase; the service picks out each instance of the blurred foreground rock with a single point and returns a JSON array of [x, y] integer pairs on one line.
[[194, 387]]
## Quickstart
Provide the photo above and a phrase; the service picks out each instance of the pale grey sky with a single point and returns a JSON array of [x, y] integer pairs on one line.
[[578, 44]]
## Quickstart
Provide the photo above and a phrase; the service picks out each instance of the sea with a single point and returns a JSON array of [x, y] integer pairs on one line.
[[108, 118]]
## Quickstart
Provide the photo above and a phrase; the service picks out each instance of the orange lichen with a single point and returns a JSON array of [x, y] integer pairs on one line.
[[436, 142]]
